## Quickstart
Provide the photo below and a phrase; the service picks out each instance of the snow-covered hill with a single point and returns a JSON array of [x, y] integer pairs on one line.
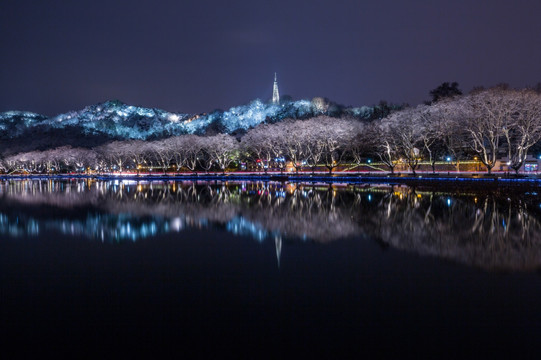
[[114, 120]]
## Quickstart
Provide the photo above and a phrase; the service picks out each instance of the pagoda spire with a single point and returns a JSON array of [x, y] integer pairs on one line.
[[275, 93]]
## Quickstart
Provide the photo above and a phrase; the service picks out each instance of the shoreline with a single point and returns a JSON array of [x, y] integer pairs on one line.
[[403, 178]]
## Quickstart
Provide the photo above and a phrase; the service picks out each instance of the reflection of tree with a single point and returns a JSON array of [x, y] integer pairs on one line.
[[493, 234], [493, 231], [301, 212], [296, 211]]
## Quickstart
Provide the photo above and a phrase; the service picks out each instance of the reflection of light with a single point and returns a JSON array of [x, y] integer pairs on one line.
[[448, 202], [176, 224], [369, 197]]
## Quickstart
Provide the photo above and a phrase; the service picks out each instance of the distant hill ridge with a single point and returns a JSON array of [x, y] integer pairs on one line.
[[115, 120]]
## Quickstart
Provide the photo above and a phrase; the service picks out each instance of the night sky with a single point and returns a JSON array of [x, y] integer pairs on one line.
[[197, 56]]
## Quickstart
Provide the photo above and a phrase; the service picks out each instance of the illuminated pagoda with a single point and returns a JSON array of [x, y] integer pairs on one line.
[[275, 93]]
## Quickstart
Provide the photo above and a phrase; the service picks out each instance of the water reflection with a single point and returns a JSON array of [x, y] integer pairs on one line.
[[494, 230]]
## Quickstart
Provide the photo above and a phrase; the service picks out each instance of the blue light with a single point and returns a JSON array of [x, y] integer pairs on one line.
[[448, 202], [448, 158]]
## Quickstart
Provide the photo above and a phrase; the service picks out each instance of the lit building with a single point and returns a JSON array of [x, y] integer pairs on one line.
[[275, 93]]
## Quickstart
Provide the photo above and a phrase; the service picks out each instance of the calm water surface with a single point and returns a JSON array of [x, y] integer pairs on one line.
[[261, 268]]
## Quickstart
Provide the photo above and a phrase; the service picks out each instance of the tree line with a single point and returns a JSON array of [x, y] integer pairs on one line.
[[486, 123]]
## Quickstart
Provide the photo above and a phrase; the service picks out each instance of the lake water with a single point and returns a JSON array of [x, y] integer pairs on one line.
[[269, 268]]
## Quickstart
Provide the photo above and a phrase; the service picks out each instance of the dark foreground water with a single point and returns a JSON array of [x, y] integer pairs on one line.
[[259, 269]]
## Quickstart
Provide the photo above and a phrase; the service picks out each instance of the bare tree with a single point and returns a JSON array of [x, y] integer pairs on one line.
[[116, 154], [291, 135], [138, 152], [260, 143], [523, 129], [449, 123], [176, 144], [433, 122], [331, 137], [192, 149], [222, 149], [81, 159], [161, 154], [386, 144], [406, 129], [486, 113]]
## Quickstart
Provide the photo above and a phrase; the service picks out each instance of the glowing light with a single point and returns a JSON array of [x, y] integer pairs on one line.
[[173, 117]]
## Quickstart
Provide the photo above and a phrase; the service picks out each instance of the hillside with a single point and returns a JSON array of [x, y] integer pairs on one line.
[[115, 120]]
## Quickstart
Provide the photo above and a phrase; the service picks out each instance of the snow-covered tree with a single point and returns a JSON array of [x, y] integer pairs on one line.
[[523, 129], [260, 144], [330, 138], [138, 153], [406, 128], [116, 154], [161, 154], [386, 144], [486, 114], [222, 149], [291, 136], [81, 159], [191, 147]]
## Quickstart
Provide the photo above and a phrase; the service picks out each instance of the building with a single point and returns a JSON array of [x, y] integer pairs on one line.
[[275, 93], [530, 166]]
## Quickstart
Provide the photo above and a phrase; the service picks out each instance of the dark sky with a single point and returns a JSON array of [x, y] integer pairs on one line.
[[196, 56]]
